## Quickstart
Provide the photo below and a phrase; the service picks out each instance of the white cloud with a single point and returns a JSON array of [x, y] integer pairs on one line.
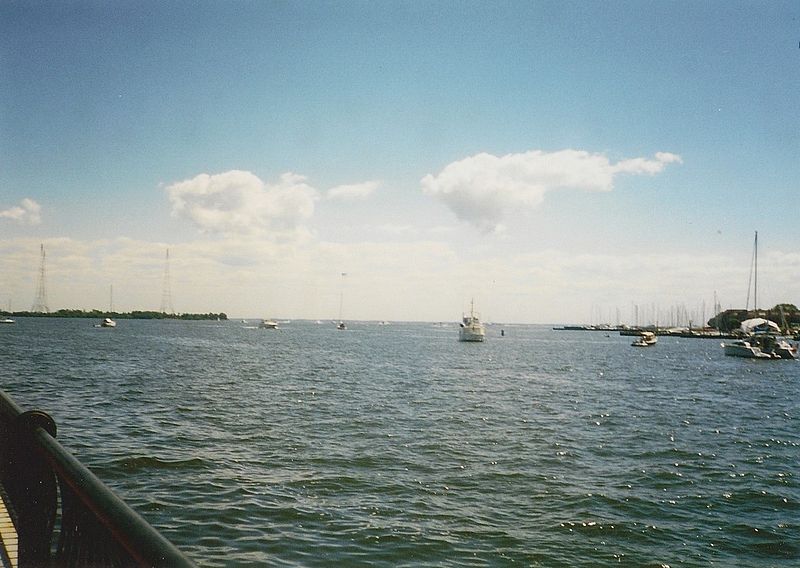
[[481, 188], [26, 213], [353, 191], [238, 202], [420, 280]]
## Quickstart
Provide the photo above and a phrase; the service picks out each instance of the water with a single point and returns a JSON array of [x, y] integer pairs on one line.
[[399, 446]]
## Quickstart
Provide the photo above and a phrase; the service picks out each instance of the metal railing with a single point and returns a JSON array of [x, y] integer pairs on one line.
[[63, 514]]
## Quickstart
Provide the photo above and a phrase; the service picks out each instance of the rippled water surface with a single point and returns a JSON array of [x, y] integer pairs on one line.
[[399, 446]]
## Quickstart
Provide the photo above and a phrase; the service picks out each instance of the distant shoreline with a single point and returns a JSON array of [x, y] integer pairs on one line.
[[136, 314]]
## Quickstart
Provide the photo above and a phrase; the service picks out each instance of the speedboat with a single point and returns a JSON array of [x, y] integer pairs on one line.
[[268, 324], [744, 348], [471, 328], [761, 340], [7, 320], [783, 349], [341, 326], [108, 322], [774, 346]]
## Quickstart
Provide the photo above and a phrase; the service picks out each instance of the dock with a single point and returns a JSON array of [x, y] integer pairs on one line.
[[9, 543]]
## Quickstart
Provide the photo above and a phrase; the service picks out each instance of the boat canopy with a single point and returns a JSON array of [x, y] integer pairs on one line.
[[759, 325]]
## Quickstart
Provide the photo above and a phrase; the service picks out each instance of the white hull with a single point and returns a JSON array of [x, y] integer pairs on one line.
[[761, 347], [473, 332], [647, 339], [744, 349], [268, 324]]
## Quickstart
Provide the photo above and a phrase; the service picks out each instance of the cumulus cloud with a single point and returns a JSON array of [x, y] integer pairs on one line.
[[238, 202], [353, 191], [481, 188], [26, 213]]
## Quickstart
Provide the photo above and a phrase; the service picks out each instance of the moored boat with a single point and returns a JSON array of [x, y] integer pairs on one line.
[[760, 339], [646, 339], [743, 348], [471, 328]]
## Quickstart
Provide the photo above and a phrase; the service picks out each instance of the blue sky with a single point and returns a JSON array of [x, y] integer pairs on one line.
[[581, 157]]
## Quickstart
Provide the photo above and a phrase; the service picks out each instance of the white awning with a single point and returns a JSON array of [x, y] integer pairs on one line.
[[759, 325]]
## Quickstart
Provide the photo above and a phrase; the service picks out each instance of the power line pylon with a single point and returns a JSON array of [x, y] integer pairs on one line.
[[166, 292], [40, 303]]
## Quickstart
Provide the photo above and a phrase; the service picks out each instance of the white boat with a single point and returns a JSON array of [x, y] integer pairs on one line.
[[646, 339], [471, 328], [744, 348], [761, 346], [341, 326], [268, 324], [7, 320], [108, 322], [784, 350], [761, 337]]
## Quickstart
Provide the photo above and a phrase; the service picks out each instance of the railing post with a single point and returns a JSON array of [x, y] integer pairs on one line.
[[31, 486]]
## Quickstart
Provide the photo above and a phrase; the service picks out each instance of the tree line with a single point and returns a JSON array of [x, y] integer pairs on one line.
[[136, 314], [785, 315]]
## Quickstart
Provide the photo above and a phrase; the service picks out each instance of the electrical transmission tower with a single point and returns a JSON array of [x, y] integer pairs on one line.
[[166, 293], [40, 303]]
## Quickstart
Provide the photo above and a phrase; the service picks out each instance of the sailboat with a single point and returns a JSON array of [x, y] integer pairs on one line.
[[108, 322], [760, 337], [341, 325], [471, 328]]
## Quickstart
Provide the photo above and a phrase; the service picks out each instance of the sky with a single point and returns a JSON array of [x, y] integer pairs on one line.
[[557, 162]]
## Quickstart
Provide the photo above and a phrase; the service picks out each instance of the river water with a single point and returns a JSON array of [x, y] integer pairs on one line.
[[399, 446]]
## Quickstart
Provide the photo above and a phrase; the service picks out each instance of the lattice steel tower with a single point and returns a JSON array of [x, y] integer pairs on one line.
[[40, 303], [166, 293]]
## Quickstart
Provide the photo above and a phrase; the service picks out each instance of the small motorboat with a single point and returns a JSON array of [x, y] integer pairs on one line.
[[107, 322], [646, 339]]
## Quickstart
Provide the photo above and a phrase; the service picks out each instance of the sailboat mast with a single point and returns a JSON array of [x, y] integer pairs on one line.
[[755, 272], [341, 296]]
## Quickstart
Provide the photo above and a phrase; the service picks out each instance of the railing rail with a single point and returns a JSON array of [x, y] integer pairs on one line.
[[95, 527]]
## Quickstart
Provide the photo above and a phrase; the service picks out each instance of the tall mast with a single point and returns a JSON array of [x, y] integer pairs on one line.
[[752, 279], [341, 296], [755, 279]]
